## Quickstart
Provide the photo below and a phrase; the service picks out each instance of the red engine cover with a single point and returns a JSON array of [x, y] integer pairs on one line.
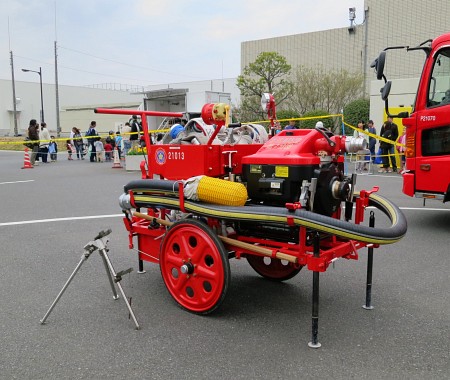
[[289, 147]]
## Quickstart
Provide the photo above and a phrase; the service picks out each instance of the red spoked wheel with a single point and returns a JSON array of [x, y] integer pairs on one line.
[[194, 266], [273, 269]]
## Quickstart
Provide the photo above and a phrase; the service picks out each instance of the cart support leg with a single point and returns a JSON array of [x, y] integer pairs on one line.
[[83, 259], [141, 266], [315, 304], [108, 274], [368, 304], [99, 244], [113, 273]]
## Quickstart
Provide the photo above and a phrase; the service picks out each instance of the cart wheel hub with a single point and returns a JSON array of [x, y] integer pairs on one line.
[[187, 268]]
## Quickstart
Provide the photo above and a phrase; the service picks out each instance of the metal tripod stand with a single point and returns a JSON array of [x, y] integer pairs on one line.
[[99, 243]]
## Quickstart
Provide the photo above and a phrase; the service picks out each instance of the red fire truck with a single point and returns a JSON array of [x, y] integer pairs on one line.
[[427, 152]]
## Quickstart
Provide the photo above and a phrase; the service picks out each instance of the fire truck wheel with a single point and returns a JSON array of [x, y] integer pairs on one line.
[[194, 266], [273, 269]]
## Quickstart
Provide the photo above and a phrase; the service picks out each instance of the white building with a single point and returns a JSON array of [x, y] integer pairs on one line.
[[77, 104], [188, 97], [197, 88]]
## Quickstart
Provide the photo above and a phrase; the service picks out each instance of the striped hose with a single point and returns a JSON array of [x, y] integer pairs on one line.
[[161, 193]]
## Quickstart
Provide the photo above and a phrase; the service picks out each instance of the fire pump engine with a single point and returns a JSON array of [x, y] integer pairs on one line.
[[282, 203]]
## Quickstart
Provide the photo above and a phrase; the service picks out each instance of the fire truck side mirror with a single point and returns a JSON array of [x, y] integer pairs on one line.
[[385, 90], [378, 65]]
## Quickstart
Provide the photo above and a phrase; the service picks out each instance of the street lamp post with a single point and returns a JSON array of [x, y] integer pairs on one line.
[[42, 96]]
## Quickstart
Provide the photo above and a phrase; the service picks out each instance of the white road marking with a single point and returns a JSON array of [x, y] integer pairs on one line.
[[5, 183], [60, 219]]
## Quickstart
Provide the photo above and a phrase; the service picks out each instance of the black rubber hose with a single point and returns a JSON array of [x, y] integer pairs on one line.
[[151, 193], [152, 184]]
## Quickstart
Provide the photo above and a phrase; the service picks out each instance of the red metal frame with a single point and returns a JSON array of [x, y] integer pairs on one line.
[[180, 162], [183, 161], [193, 256], [331, 248]]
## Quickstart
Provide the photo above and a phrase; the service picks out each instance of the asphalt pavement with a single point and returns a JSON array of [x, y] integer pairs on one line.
[[261, 331]]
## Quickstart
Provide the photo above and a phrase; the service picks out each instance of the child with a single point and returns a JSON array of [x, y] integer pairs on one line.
[[108, 151], [99, 149], [52, 149], [118, 142], [361, 164], [70, 149]]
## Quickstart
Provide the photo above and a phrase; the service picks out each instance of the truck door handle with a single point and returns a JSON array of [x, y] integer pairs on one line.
[[425, 167]]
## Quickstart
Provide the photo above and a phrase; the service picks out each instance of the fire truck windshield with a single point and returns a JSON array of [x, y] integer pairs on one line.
[[439, 88]]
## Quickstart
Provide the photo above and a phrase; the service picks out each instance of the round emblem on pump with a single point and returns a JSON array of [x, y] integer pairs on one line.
[[160, 156]]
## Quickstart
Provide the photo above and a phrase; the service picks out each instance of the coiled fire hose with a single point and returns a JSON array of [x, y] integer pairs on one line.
[[162, 193]]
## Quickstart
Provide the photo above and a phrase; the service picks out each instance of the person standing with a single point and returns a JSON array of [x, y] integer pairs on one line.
[[372, 140], [126, 130], [33, 135], [91, 135], [111, 139], [118, 142], [44, 141], [386, 133], [53, 149], [360, 155], [70, 149], [108, 151], [134, 136], [72, 133], [99, 149], [394, 137], [78, 142]]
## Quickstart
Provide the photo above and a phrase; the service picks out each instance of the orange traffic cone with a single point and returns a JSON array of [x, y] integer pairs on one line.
[[117, 164], [26, 161]]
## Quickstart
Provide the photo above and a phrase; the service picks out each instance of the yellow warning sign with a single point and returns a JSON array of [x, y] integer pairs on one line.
[[282, 171]]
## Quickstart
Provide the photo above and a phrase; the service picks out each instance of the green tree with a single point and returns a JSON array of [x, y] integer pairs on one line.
[[317, 89], [355, 111], [268, 73], [286, 114]]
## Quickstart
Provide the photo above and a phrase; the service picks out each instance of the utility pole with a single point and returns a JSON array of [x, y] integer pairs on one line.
[[42, 96], [58, 125], [366, 37], [16, 131]]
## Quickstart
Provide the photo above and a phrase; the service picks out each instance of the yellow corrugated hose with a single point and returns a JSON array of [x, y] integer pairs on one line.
[[220, 192]]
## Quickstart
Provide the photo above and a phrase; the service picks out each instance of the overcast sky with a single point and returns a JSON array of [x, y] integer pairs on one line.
[[144, 42]]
